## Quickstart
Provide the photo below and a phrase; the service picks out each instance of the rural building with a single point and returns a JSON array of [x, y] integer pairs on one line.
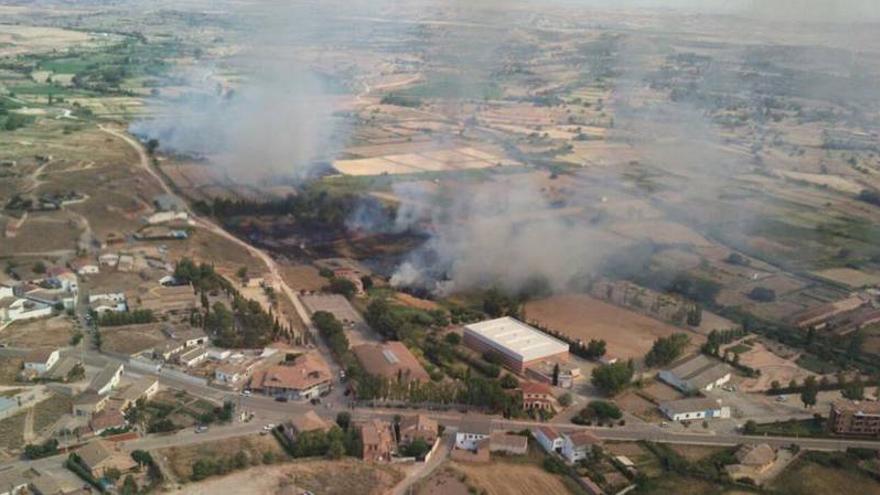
[[391, 360], [538, 396], [166, 299], [13, 481], [418, 427], [305, 422], [578, 445], [168, 202], [471, 432], [145, 388], [694, 408], [219, 354], [699, 373], [549, 438], [20, 309], [306, 378], [507, 443], [753, 460], [168, 349], [107, 379], [40, 361], [167, 216], [544, 372], [519, 345], [107, 419], [232, 373], [193, 357], [855, 418], [88, 403], [85, 267], [62, 369], [377, 438], [190, 336], [106, 302], [817, 318], [98, 457]]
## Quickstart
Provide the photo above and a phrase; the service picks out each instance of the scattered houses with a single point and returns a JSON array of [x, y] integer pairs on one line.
[[40, 361], [377, 440], [107, 302], [471, 432], [517, 344], [307, 377], [538, 397], [418, 427], [108, 378], [753, 460], [694, 408], [578, 445], [549, 439], [98, 457], [698, 373]]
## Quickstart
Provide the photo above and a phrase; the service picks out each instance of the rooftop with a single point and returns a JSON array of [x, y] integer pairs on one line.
[[549, 432], [104, 377], [419, 422], [690, 405], [390, 360], [583, 439], [475, 425], [309, 421], [859, 408], [700, 370], [517, 339], [137, 389], [39, 355], [509, 440], [94, 453], [308, 370]]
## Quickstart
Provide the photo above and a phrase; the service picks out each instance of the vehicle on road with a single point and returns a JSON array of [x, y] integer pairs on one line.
[[281, 398], [201, 429], [246, 392]]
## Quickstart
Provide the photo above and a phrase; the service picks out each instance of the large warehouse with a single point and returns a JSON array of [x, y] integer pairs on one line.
[[518, 344]]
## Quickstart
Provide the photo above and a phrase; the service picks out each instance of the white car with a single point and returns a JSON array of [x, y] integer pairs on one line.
[[246, 393]]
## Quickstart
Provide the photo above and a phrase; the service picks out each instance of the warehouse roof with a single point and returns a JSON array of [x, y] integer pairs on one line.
[[516, 339], [693, 404]]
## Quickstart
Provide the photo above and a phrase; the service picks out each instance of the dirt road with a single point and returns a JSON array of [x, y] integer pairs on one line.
[[275, 278]]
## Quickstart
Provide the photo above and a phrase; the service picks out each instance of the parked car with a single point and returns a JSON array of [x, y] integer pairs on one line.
[[201, 429], [281, 398]]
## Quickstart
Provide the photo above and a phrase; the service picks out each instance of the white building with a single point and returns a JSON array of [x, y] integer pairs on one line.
[[107, 379], [471, 432], [167, 216], [108, 259], [193, 357], [699, 373], [219, 354], [110, 301], [41, 360], [19, 309], [578, 445], [517, 344], [697, 408], [549, 438], [88, 269]]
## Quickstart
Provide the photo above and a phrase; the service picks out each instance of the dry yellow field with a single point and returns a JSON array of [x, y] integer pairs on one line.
[[505, 478]]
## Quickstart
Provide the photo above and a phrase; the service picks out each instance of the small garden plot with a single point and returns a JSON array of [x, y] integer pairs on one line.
[[49, 411], [12, 431]]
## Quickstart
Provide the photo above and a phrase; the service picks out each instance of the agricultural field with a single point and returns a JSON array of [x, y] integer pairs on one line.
[[627, 334], [805, 477], [131, 339], [342, 477], [500, 477], [45, 333], [181, 459]]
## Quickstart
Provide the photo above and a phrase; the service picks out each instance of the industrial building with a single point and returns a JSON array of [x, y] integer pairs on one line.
[[695, 408], [699, 373], [519, 345]]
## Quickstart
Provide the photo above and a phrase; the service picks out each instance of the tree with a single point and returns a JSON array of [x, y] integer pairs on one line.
[[810, 392], [775, 386], [667, 349], [142, 457], [343, 286], [751, 427], [556, 374], [112, 473], [367, 282], [343, 419], [39, 267], [509, 382], [336, 449], [129, 486], [595, 349], [695, 316], [417, 448], [612, 378], [762, 294], [452, 338], [242, 273], [854, 390], [152, 145], [565, 399]]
